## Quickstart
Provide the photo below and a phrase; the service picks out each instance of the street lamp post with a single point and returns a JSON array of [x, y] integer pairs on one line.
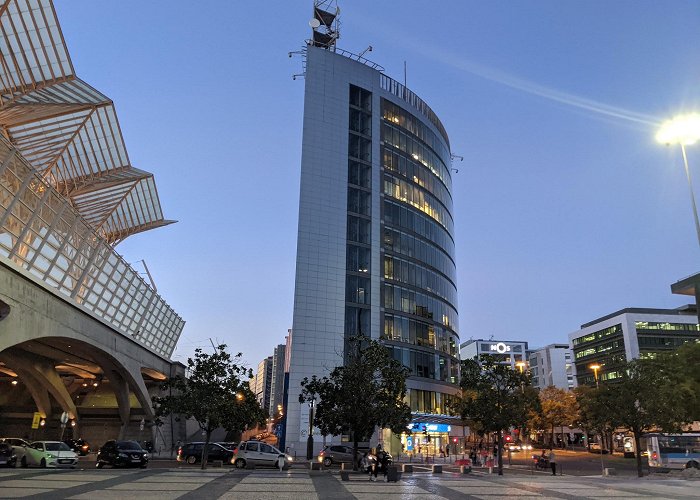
[[683, 130], [310, 439], [595, 367]]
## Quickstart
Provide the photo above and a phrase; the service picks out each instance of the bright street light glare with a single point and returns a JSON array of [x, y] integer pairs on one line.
[[682, 129]]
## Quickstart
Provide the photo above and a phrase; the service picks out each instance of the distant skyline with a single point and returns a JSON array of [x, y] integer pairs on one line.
[[566, 209]]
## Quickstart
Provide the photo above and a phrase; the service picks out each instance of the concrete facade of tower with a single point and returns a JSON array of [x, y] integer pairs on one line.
[[375, 250]]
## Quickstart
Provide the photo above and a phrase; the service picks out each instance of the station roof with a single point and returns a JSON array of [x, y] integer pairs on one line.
[[67, 129]]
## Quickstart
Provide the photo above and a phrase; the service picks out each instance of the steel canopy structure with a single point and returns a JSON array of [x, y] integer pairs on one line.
[[68, 192], [67, 130]]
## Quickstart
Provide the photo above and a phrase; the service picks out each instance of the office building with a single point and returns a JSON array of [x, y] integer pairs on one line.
[[509, 352], [277, 382], [261, 384], [612, 340], [375, 251], [551, 366]]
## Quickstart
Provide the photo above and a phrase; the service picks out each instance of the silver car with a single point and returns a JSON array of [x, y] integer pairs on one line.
[[337, 454], [257, 453]]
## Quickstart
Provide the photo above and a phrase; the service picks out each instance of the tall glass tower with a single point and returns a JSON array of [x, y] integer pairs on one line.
[[375, 251]]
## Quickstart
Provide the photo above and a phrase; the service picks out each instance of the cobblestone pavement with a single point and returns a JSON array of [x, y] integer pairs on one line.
[[300, 484]]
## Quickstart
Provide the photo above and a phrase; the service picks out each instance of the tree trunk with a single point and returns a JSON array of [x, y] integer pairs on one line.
[[638, 453], [611, 443], [205, 450], [354, 452], [563, 441], [499, 447], [551, 442]]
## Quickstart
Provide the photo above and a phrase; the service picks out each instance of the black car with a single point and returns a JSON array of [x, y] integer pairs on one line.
[[192, 453], [7, 456], [122, 454], [80, 446]]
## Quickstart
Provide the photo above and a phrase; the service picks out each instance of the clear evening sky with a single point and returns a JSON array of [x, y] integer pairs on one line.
[[566, 209]]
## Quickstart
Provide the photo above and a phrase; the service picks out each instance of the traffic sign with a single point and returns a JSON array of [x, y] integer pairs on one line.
[[64, 417], [36, 420]]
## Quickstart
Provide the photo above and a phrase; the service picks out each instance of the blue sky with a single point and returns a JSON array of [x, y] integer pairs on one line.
[[565, 207]]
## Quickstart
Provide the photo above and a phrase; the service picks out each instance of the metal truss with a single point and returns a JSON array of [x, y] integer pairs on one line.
[[66, 129], [42, 234]]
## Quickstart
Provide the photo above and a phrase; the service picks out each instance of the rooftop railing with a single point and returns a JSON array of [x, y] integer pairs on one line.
[[401, 91]]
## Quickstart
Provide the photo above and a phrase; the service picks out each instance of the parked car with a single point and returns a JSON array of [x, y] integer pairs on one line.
[[192, 453], [7, 455], [80, 446], [258, 453], [18, 446], [595, 448], [337, 454], [229, 445], [122, 454], [49, 454]]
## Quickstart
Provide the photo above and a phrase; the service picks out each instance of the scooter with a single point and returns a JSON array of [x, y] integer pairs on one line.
[[540, 462]]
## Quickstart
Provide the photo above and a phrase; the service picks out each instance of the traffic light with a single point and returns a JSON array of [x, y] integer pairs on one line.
[[509, 438], [454, 440]]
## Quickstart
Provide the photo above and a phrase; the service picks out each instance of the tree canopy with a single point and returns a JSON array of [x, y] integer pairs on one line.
[[367, 392], [494, 397], [215, 392]]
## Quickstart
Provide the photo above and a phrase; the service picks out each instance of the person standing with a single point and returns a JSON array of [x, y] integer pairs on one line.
[[553, 462]]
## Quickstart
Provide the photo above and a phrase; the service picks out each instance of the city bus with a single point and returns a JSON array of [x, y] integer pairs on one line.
[[674, 451]]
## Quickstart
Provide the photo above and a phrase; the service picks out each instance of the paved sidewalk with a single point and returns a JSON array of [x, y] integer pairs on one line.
[[301, 484]]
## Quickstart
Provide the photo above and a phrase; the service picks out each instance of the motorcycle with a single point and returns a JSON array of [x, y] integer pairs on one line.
[[540, 462], [379, 463]]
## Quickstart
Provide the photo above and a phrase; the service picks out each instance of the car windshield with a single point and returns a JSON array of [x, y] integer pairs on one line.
[[56, 447], [128, 445]]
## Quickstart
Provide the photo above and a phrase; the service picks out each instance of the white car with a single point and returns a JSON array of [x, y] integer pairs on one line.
[[49, 454], [256, 453]]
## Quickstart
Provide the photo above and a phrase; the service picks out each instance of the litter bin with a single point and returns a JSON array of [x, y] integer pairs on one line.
[[392, 474]]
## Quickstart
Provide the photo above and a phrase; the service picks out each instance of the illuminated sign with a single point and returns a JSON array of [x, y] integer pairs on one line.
[[500, 348], [427, 427]]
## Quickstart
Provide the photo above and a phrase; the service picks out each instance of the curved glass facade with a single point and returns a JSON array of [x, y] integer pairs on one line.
[[418, 292]]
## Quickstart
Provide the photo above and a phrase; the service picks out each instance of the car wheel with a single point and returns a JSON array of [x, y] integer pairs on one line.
[[327, 462], [239, 463], [99, 464], [43, 463], [191, 460], [24, 462], [143, 466], [692, 465]]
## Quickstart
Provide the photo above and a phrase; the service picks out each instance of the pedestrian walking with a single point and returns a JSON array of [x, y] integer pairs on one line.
[[553, 462]]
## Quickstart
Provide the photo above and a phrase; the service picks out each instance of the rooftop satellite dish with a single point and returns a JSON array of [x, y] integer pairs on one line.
[[314, 23]]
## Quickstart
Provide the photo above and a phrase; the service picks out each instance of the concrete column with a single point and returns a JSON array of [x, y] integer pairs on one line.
[[121, 391]]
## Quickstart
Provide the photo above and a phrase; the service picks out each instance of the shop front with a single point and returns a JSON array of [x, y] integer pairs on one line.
[[426, 439]]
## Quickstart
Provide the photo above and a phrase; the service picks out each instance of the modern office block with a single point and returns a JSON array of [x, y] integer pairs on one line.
[[375, 251]]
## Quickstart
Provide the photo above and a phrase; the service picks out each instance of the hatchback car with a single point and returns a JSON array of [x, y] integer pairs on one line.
[[122, 454], [337, 454], [49, 454], [192, 453], [7, 456], [257, 453]]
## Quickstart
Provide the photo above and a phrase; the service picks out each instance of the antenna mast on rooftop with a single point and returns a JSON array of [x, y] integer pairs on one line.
[[325, 26]]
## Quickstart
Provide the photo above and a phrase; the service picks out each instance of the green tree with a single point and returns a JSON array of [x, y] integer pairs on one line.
[[646, 397], [559, 408], [367, 392], [682, 367], [494, 396], [215, 392], [593, 414]]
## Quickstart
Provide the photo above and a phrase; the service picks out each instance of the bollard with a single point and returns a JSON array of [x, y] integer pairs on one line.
[[464, 469], [437, 469], [407, 468], [314, 466]]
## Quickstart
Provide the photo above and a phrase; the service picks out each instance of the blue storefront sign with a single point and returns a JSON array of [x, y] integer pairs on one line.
[[428, 427], [409, 443]]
